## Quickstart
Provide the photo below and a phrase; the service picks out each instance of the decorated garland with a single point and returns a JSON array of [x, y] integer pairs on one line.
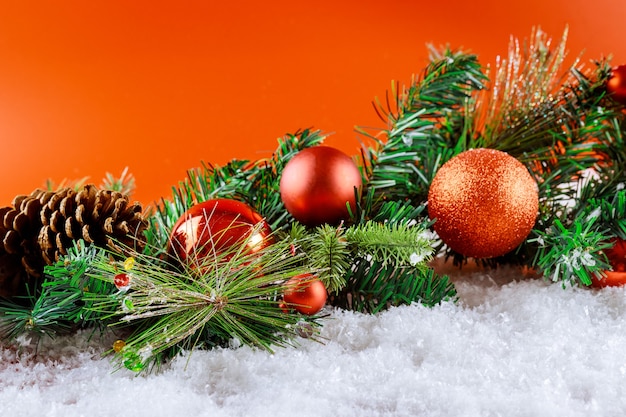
[[523, 164]]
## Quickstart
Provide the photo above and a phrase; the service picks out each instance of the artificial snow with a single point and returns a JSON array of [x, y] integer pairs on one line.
[[512, 346]]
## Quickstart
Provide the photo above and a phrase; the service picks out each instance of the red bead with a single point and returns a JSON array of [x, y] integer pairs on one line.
[[616, 85], [121, 280], [213, 227], [317, 183]]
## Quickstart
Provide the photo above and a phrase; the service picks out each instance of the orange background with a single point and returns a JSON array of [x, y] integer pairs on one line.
[[90, 87]]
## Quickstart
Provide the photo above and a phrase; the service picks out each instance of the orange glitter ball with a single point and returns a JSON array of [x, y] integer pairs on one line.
[[485, 203]]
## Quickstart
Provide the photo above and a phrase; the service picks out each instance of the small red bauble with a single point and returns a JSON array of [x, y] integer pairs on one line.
[[213, 227], [305, 294], [317, 183], [616, 85], [617, 259]]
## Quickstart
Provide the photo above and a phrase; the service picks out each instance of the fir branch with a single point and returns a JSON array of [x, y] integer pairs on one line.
[[329, 253], [332, 251], [399, 212], [526, 83], [554, 120], [232, 295], [572, 254], [391, 245], [60, 304], [370, 207], [421, 122], [371, 288], [611, 212]]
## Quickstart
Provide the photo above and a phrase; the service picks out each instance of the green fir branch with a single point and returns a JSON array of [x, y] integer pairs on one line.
[[371, 287], [391, 245], [333, 251], [329, 253], [424, 125], [611, 212], [60, 305], [525, 84], [370, 207], [232, 295], [572, 254]]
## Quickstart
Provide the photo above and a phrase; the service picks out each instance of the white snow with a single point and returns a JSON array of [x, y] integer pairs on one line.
[[513, 346]]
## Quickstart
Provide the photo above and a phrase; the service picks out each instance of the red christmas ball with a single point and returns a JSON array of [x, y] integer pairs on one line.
[[616, 85], [617, 259], [213, 227], [305, 294], [317, 183]]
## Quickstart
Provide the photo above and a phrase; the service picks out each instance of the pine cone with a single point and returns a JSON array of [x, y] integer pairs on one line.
[[40, 227]]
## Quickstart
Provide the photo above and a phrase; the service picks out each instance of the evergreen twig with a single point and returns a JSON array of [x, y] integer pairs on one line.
[[59, 305], [231, 295], [371, 288]]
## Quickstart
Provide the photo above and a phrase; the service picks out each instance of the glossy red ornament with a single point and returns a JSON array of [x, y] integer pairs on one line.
[[617, 259], [305, 294], [616, 85], [317, 183], [213, 227]]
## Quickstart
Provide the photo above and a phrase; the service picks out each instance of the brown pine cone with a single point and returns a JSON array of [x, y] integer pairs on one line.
[[39, 228]]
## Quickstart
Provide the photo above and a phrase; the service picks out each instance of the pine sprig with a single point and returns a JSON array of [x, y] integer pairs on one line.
[[524, 84], [391, 245], [611, 212], [59, 305], [232, 295], [333, 251], [572, 254], [329, 253], [371, 288], [421, 118]]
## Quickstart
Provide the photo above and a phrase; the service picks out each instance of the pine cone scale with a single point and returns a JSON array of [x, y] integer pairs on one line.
[[57, 222], [79, 215], [66, 207], [12, 242], [8, 219], [72, 229], [21, 222], [31, 207], [17, 201]]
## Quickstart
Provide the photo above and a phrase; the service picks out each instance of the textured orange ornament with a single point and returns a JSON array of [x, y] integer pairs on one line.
[[305, 294], [616, 85], [317, 183], [485, 203]]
